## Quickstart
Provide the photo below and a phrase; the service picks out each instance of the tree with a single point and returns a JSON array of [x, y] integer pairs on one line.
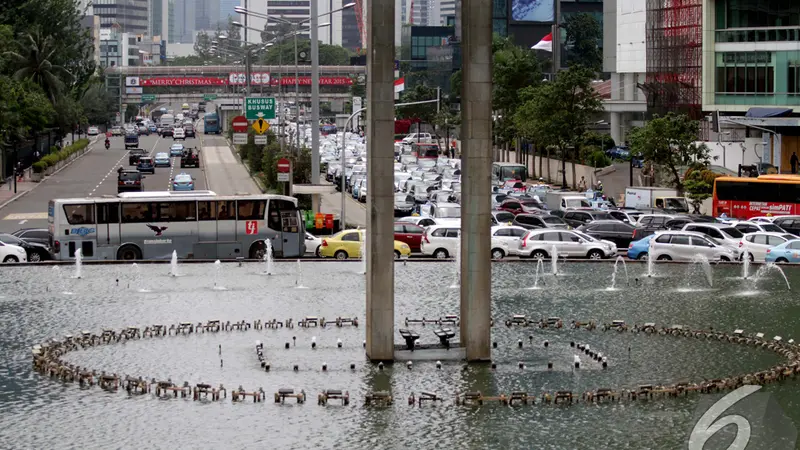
[[279, 31], [24, 109], [670, 141], [358, 89], [283, 53], [33, 61], [699, 182], [202, 45], [584, 34], [424, 112], [557, 113], [233, 32]]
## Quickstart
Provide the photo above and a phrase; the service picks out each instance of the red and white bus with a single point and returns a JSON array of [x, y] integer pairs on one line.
[[767, 195]]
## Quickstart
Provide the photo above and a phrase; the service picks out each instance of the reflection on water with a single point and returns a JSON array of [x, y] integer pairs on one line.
[[40, 413]]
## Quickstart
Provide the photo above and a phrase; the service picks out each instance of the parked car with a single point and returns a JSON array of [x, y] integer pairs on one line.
[[625, 215], [572, 244], [751, 227], [790, 224], [533, 221], [183, 182], [347, 244], [686, 245], [788, 252], [146, 164], [502, 217], [162, 160], [755, 245], [440, 241], [518, 206], [313, 245], [12, 253], [576, 218], [640, 249], [505, 240], [422, 221], [404, 204], [722, 233], [410, 234], [39, 235], [34, 251], [611, 230]]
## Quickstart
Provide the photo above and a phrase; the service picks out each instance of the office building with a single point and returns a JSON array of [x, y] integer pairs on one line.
[[446, 11], [118, 48], [206, 14], [131, 16], [181, 29], [351, 36], [299, 12]]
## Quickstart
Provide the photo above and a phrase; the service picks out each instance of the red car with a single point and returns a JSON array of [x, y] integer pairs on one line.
[[409, 233], [519, 206]]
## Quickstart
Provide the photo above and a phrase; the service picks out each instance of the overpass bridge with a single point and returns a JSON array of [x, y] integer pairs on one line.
[[189, 97]]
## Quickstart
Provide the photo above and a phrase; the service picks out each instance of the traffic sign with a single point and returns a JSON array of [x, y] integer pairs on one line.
[[260, 139], [209, 97], [284, 165], [259, 108], [148, 97], [283, 177], [239, 124], [240, 138], [260, 126]]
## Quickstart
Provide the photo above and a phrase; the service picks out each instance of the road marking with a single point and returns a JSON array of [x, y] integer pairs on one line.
[[109, 173], [26, 216]]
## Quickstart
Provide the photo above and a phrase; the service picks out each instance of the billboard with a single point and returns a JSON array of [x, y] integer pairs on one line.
[[538, 11], [256, 78]]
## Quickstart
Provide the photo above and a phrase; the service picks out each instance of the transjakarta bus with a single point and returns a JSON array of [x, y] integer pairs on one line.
[[150, 225], [503, 171], [743, 198]]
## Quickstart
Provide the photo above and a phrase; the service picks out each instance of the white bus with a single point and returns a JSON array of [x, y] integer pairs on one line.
[[198, 225]]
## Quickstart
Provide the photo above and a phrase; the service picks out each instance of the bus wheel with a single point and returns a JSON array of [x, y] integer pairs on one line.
[[258, 250], [129, 252]]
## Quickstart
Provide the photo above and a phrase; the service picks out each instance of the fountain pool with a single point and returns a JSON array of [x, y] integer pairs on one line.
[[42, 413]]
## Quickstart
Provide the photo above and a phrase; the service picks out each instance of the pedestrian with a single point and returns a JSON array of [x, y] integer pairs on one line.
[[582, 184], [793, 162], [20, 172], [453, 147], [36, 155]]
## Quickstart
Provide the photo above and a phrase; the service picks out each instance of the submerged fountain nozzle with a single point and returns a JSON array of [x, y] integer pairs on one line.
[[313, 342], [438, 364], [338, 343]]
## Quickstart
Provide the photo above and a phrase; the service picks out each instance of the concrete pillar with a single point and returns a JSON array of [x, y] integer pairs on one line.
[[476, 114], [380, 173], [616, 128]]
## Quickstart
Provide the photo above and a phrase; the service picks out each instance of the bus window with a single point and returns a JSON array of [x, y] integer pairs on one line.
[[82, 214], [176, 212], [137, 213], [108, 213], [251, 210], [226, 210], [208, 210]]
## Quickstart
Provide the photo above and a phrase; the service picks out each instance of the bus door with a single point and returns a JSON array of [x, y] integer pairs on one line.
[[81, 231], [108, 225], [274, 228], [228, 242]]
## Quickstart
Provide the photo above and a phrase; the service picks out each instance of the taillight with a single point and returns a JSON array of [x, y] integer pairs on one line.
[[769, 250], [630, 245], [324, 243], [741, 244], [634, 235], [137, 182], [121, 182], [57, 246]]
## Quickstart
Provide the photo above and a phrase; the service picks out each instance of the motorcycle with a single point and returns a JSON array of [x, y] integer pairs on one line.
[[108, 145]]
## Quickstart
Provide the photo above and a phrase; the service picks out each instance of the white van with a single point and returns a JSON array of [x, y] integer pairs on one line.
[[440, 241], [423, 137]]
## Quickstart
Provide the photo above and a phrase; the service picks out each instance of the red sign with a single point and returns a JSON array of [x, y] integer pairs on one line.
[[284, 165], [251, 227], [239, 124], [184, 81], [746, 209], [306, 81]]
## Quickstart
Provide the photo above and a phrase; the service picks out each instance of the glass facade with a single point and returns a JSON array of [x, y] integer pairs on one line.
[[768, 75], [500, 17]]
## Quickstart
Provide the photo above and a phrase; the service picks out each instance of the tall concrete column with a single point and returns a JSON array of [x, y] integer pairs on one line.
[[616, 128], [380, 178], [476, 163]]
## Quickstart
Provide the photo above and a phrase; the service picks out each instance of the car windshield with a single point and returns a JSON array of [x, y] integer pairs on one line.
[[162, 155], [10, 240], [771, 227], [183, 178], [129, 176], [449, 212], [552, 219], [732, 232], [401, 198], [145, 160], [176, 146]]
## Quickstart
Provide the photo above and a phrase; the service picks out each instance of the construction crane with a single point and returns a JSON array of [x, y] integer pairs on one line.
[[362, 30]]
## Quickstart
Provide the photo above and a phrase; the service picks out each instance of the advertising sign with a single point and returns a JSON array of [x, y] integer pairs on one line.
[[183, 81], [306, 81], [256, 78], [541, 11], [131, 81], [133, 90]]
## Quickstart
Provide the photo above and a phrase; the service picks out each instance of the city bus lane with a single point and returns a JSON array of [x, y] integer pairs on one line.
[[83, 178]]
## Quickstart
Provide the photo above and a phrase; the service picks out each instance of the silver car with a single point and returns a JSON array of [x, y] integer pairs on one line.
[[688, 246], [542, 243]]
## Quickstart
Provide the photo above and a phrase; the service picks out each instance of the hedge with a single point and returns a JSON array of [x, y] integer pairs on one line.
[[53, 158]]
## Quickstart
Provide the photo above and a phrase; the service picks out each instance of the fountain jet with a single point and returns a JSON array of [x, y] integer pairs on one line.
[[268, 257], [173, 264], [614, 273]]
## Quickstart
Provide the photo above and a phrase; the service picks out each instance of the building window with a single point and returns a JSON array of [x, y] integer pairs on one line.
[[757, 13], [793, 79]]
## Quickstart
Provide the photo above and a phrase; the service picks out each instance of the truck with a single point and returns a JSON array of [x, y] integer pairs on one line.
[[656, 197], [132, 139], [563, 200]]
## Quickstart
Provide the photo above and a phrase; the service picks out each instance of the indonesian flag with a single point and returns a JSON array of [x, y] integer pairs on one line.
[[399, 85], [545, 44]]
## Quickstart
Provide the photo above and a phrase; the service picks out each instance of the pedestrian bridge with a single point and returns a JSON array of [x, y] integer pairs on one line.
[[196, 97]]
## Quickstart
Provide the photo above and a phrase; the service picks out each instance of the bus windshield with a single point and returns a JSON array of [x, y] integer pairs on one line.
[[503, 172]]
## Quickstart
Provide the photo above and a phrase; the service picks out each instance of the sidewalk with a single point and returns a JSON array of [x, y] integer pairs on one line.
[[7, 194]]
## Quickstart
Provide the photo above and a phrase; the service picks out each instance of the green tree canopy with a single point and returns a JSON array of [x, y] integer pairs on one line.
[[670, 141], [424, 112], [202, 46], [283, 54], [584, 35]]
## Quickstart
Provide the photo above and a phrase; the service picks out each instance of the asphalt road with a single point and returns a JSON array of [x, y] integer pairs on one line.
[[95, 174]]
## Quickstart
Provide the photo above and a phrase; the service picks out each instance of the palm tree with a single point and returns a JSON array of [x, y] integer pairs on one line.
[[34, 62]]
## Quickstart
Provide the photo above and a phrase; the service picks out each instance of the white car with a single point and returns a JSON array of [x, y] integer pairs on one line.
[[421, 221], [93, 131], [12, 253], [722, 233], [442, 213], [178, 133], [440, 241], [762, 219], [313, 244], [541, 243], [755, 245], [505, 240], [686, 246], [755, 227]]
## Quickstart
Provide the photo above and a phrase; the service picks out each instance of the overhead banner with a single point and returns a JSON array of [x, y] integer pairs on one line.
[[257, 78], [183, 81], [133, 90], [306, 81], [132, 81]]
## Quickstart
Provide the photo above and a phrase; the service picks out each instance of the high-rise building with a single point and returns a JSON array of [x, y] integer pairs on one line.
[[295, 11], [206, 14], [182, 30], [131, 16], [351, 36], [447, 9], [424, 13], [226, 9]]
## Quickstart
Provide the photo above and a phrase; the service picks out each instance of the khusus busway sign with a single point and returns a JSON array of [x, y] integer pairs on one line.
[[259, 108]]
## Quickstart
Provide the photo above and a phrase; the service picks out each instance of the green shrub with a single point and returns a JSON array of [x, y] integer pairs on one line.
[[598, 158], [39, 166]]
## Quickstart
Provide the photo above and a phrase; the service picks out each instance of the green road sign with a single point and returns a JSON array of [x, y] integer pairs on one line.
[[148, 97], [259, 108], [209, 97]]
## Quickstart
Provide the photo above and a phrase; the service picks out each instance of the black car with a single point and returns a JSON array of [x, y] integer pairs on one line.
[[37, 235], [146, 164], [791, 224], [655, 223], [404, 205], [189, 130], [134, 155], [166, 131], [35, 251], [577, 218], [534, 221], [129, 181], [620, 233], [190, 158]]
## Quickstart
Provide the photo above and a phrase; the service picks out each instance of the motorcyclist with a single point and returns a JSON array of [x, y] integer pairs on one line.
[[108, 143]]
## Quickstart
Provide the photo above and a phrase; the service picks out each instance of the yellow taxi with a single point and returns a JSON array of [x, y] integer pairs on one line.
[[347, 244]]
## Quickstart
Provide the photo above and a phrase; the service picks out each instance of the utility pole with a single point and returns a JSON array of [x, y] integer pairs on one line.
[[315, 101]]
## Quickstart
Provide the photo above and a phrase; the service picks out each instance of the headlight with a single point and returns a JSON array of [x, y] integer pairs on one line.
[[404, 246]]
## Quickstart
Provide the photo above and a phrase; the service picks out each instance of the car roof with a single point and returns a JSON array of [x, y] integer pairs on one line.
[[605, 221], [500, 227], [712, 224], [161, 153], [682, 233], [768, 233]]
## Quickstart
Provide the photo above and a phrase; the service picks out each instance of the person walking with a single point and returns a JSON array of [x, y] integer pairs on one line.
[[582, 184]]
